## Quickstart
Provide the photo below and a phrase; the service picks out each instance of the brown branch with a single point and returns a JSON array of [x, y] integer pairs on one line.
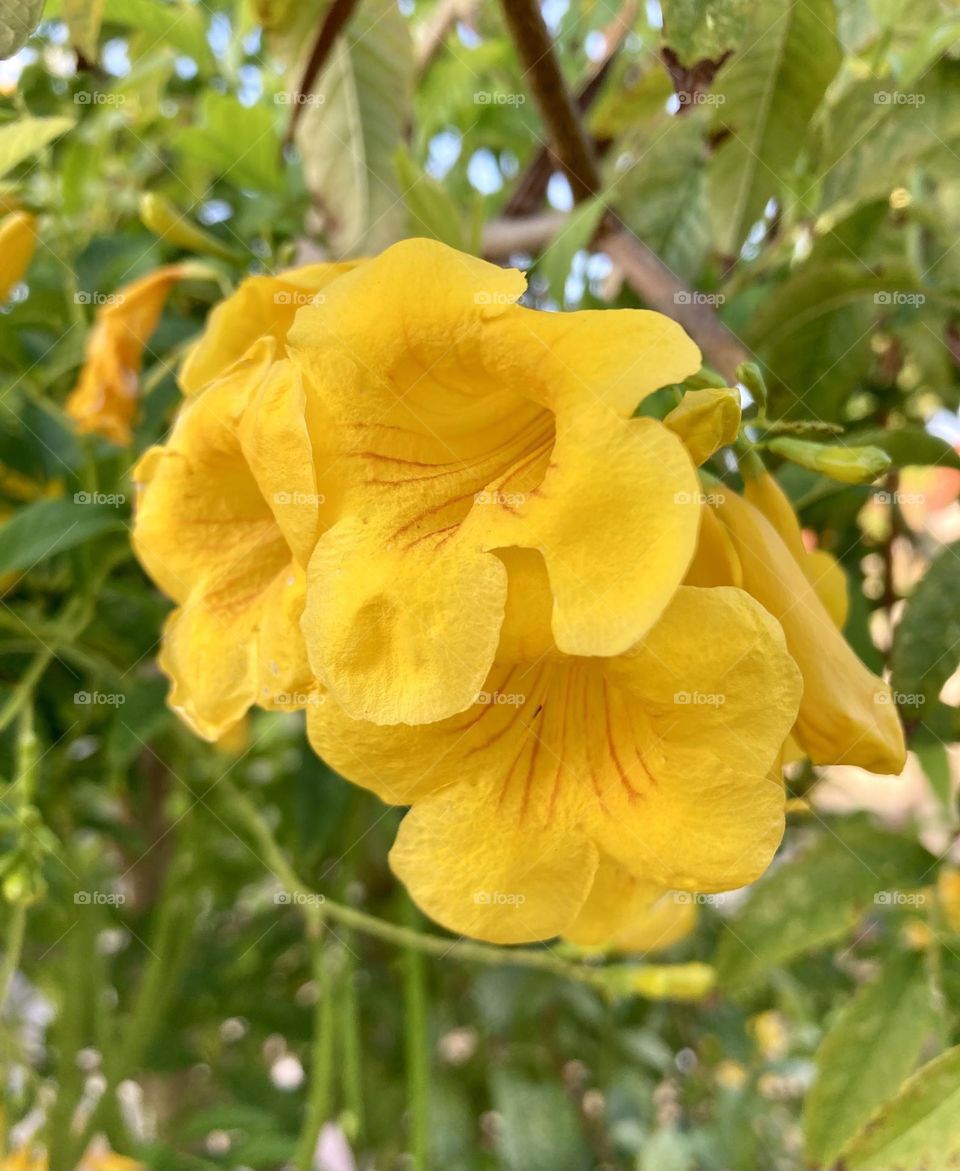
[[503, 238], [557, 108], [532, 185], [334, 22]]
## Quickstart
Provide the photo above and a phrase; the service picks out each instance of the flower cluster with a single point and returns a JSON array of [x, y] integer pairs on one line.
[[427, 515]]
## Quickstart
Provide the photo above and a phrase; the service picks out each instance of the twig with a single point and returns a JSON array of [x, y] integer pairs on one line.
[[336, 19], [437, 28], [503, 238], [557, 108]]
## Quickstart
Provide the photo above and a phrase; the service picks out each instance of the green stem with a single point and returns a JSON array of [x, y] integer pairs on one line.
[[351, 1044], [656, 981], [417, 1056], [321, 1063], [13, 949]]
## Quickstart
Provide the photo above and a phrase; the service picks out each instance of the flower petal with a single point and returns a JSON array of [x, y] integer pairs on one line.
[[847, 716], [626, 914], [706, 420], [262, 306], [480, 876]]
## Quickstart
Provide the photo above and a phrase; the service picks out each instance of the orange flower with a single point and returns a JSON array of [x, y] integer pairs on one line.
[[104, 399]]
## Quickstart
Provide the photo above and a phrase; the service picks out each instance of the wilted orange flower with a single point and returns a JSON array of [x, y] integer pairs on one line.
[[104, 400]]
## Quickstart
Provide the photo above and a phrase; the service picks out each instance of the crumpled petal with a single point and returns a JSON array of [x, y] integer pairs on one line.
[[207, 536], [104, 401], [847, 715], [262, 306]]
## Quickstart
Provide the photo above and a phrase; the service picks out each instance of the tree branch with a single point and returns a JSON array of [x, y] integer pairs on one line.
[[557, 108]]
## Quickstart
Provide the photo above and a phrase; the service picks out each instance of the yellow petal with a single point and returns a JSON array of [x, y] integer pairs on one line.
[[104, 400], [465, 425], [623, 913], [477, 874], [18, 241], [820, 567], [706, 420], [676, 793], [207, 536], [401, 635], [847, 715], [715, 561], [262, 306]]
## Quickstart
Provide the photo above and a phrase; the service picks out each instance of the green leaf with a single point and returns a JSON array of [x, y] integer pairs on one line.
[[813, 331], [935, 762], [920, 1129], [353, 123], [816, 897], [433, 211], [37, 531], [926, 643], [83, 19], [576, 233], [241, 143], [768, 94], [696, 31], [18, 19], [28, 136], [659, 183], [180, 24], [910, 447], [539, 1126], [873, 1045]]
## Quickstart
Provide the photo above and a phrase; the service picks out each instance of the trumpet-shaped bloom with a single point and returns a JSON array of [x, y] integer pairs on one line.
[[18, 240], [847, 715], [416, 422], [569, 773], [104, 400]]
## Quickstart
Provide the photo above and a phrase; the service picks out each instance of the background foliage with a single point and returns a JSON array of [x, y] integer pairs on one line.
[[796, 163]]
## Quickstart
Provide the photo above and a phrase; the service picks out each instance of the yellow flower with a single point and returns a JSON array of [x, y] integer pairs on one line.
[[18, 240], [105, 398], [362, 441], [847, 715], [948, 893], [98, 1158], [574, 775]]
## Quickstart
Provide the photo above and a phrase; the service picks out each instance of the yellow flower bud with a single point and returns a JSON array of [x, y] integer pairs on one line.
[[18, 240], [851, 465]]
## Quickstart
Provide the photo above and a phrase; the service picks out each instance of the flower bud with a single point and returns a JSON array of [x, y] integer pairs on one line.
[[851, 465]]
